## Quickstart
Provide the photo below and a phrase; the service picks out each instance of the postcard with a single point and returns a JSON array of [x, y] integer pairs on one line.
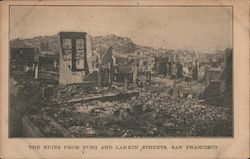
[[124, 79]]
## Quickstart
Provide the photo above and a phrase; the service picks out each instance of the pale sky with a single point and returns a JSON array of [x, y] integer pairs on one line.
[[199, 28]]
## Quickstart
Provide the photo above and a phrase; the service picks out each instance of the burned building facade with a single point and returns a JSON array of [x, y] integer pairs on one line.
[[75, 57]]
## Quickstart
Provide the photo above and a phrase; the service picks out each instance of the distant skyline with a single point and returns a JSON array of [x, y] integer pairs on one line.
[[193, 28]]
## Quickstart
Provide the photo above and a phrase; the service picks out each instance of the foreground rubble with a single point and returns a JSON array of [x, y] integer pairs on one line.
[[152, 113]]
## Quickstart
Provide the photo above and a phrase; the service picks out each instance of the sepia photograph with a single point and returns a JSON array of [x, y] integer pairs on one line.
[[121, 71]]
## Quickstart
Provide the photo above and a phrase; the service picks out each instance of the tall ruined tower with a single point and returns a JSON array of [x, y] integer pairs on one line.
[[75, 57]]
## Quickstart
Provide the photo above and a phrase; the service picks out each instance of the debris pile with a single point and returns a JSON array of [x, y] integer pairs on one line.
[[152, 113], [148, 115], [65, 93]]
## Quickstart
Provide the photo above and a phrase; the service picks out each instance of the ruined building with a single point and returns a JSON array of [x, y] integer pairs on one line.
[[179, 73], [75, 57], [195, 71], [219, 89], [228, 76], [23, 55], [212, 74], [161, 65], [23, 58]]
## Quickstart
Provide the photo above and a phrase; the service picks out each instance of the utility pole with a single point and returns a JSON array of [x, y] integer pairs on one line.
[[36, 70], [99, 75]]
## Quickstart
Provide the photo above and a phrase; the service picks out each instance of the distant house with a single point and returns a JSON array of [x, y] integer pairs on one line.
[[22, 55]]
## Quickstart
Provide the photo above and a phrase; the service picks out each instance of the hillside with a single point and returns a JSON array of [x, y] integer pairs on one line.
[[53, 44], [122, 45]]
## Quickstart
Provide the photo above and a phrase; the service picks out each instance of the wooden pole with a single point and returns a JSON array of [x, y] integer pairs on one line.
[[99, 75], [109, 68], [36, 71]]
